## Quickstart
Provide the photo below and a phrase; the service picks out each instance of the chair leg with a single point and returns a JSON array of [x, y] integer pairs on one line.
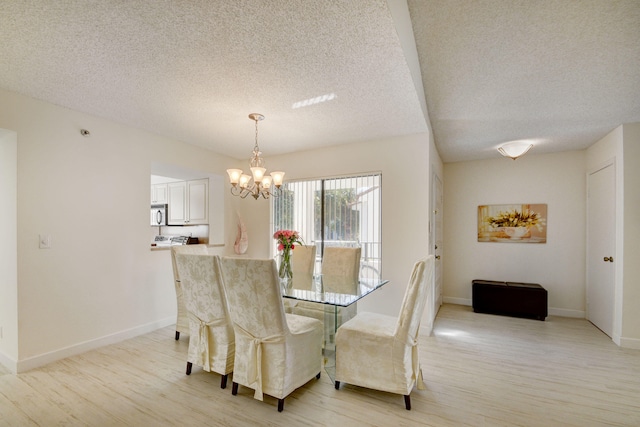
[[280, 405], [407, 402], [177, 335], [223, 381], [189, 365], [337, 384], [234, 388]]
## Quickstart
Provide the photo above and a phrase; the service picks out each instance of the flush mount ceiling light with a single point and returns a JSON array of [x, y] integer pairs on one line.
[[257, 185], [515, 149]]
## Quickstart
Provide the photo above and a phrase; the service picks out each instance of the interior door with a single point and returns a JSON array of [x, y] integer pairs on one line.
[[601, 226]]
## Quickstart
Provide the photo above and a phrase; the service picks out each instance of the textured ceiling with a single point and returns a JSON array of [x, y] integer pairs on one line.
[[562, 72]]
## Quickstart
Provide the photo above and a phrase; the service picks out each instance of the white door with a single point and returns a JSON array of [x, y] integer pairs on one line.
[[601, 226]]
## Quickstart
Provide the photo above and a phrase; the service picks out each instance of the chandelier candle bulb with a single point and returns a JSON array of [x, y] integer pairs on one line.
[[234, 176], [258, 173], [278, 177], [244, 180]]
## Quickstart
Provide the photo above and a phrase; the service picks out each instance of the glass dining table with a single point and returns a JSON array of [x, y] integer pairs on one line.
[[334, 301]]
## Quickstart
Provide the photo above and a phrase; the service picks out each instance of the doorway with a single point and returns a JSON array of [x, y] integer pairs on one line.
[[601, 227], [436, 242]]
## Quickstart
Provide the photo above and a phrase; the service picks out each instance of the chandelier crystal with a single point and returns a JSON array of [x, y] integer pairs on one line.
[[256, 184]]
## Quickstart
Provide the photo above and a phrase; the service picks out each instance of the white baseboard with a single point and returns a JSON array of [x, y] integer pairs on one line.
[[8, 363], [562, 312], [632, 343], [457, 301], [52, 356]]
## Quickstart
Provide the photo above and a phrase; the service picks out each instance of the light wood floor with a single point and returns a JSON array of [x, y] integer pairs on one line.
[[480, 370]]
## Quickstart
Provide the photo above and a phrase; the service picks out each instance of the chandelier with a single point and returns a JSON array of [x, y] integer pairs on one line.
[[257, 185]]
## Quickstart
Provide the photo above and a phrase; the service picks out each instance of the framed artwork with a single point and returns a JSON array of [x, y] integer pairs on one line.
[[512, 223]]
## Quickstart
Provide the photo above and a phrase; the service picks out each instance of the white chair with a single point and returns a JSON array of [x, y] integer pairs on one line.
[[275, 352], [340, 270], [381, 352], [182, 322], [341, 263], [303, 261], [211, 336]]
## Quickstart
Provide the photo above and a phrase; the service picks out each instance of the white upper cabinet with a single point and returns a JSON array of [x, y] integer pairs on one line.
[[159, 194], [188, 202]]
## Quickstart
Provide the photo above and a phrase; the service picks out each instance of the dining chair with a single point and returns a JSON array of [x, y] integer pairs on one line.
[[211, 336], [182, 322], [275, 352], [303, 261], [380, 352], [342, 266], [340, 270]]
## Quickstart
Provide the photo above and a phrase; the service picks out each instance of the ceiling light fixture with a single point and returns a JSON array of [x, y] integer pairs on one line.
[[242, 184], [515, 149]]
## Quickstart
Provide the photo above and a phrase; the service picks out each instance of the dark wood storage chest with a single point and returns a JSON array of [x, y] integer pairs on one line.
[[510, 299]]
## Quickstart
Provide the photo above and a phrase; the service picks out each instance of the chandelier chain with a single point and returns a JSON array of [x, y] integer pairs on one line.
[[256, 148]]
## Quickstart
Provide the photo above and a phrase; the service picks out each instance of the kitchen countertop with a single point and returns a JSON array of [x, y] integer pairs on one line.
[[168, 247]]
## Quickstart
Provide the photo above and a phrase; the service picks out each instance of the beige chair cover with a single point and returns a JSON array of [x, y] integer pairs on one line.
[[303, 259], [211, 336], [182, 322], [275, 352], [340, 270], [381, 352]]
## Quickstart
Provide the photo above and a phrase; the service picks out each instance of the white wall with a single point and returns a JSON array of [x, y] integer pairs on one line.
[[8, 248], [99, 282], [630, 336], [558, 265], [404, 163]]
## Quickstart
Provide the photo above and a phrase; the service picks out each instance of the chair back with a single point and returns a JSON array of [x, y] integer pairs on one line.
[[253, 292], [415, 298], [340, 269], [184, 249], [303, 259], [202, 287]]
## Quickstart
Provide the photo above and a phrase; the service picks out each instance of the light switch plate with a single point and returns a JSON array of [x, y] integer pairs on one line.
[[45, 241]]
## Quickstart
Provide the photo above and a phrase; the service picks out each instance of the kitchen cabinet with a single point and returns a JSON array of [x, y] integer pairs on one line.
[[188, 202], [159, 194]]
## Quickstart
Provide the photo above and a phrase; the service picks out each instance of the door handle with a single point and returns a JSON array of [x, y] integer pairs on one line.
[[437, 256], [608, 259]]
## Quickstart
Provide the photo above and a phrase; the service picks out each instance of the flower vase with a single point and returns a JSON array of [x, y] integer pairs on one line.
[[285, 272]]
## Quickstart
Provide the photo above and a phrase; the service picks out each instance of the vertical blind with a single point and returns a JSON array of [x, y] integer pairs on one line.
[[342, 211]]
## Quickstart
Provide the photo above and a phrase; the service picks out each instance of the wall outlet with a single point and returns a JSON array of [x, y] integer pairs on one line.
[[45, 241]]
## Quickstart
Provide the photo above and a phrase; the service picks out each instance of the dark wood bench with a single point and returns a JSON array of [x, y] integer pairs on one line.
[[510, 299]]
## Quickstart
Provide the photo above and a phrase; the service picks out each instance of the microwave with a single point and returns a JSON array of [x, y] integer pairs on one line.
[[158, 215]]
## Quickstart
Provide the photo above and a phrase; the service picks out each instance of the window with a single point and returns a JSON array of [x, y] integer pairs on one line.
[[334, 212]]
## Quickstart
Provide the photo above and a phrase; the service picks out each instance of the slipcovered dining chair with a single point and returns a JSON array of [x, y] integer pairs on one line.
[[182, 322], [381, 352], [340, 270], [211, 336], [303, 260], [275, 352]]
